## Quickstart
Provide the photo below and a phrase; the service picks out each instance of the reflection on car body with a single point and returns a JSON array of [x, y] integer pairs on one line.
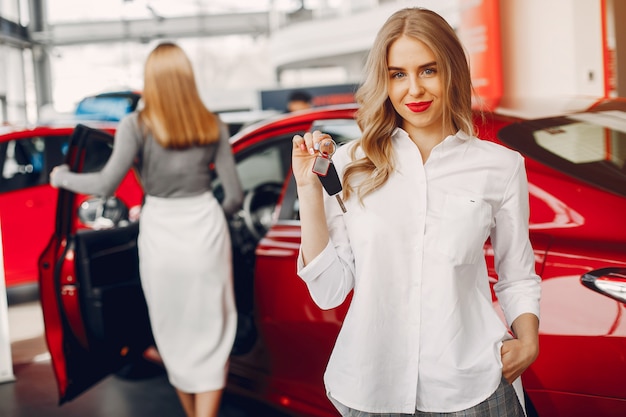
[[577, 184]]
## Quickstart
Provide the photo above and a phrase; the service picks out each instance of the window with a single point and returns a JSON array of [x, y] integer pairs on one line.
[[98, 149], [588, 146], [27, 162], [266, 163]]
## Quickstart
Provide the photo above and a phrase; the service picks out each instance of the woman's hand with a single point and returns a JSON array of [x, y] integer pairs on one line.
[[54, 172], [516, 358], [303, 155], [313, 228], [518, 354]]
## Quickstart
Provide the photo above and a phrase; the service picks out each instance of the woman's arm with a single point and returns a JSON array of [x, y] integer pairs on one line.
[[314, 230], [103, 183], [227, 172], [325, 262], [518, 287]]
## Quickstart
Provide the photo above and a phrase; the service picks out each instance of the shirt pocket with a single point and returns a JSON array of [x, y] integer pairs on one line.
[[465, 226]]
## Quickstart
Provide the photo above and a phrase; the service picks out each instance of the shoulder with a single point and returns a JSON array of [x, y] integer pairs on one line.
[[129, 127], [129, 123], [223, 126], [494, 151], [131, 119], [502, 162]]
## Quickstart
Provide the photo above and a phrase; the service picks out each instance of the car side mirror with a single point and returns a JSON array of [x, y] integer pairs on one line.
[[103, 213], [610, 282]]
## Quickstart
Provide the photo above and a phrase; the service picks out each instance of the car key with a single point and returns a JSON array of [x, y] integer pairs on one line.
[[325, 170]]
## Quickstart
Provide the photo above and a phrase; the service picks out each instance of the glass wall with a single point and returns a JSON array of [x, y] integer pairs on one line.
[[230, 69], [10, 10], [13, 73], [12, 85]]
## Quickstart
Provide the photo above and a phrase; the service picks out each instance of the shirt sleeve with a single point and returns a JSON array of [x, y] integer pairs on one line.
[[103, 183], [227, 172], [330, 276], [518, 288]]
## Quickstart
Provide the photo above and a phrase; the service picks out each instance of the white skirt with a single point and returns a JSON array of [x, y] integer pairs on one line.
[[185, 262]]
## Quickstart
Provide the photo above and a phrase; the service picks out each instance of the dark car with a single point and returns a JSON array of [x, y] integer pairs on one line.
[[95, 313]]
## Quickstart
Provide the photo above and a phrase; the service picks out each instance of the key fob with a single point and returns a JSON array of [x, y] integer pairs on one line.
[[330, 181], [321, 165]]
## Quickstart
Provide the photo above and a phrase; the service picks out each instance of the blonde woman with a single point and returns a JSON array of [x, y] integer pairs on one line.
[[422, 194], [184, 242]]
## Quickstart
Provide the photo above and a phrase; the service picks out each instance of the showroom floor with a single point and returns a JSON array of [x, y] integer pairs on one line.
[[33, 393]]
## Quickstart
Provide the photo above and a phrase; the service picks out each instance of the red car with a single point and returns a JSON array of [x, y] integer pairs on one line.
[[27, 202], [96, 319], [28, 154]]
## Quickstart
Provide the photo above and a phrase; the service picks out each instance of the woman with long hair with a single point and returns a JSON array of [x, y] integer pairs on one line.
[[184, 242], [421, 196]]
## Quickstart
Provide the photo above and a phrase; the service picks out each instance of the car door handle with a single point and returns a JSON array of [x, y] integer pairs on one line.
[[607, 281]]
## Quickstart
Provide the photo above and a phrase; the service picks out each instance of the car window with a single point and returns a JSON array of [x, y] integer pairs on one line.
[[342, 131], [262, 166], [265, 163], [27, 162], [589, 146], [97, 152]]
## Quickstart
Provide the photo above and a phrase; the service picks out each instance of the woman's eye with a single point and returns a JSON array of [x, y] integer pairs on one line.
[[429, 72], [397, 75]]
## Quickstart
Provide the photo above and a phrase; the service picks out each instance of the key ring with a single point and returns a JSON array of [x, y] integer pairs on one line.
[[326, 147]]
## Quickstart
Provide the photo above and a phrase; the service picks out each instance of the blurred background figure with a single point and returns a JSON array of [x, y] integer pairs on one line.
[[299, 100]]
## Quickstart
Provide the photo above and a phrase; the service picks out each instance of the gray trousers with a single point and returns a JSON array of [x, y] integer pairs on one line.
[[502, 403]]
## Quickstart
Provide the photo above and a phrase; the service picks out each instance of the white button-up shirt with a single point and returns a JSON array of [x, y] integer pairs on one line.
[[421, 331]]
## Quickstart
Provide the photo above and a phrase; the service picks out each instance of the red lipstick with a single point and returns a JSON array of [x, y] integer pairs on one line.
[[419, 107]]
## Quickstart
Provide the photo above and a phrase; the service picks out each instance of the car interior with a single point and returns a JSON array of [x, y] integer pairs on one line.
[[27, 162]]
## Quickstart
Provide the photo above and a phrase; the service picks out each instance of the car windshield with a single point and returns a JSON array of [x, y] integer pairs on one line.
[[589, 146]]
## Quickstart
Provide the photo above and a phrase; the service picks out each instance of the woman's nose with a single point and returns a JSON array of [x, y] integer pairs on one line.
[[416, 88]]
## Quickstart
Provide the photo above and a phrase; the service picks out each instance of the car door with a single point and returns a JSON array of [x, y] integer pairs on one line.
[[298, 334], [27, 202], [94, 312]]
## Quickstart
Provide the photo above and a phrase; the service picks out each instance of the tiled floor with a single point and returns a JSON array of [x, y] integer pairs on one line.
[[33, 393]]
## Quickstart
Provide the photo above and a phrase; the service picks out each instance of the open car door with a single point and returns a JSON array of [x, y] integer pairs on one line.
[[94, 312]]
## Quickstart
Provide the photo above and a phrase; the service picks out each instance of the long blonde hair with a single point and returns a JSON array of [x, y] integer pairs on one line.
[[376, 116], [173, 111]]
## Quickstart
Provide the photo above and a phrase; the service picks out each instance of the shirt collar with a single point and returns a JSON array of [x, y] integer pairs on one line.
[[398, 131]]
